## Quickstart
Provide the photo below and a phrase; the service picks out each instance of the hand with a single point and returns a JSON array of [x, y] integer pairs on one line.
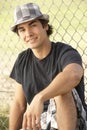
[[31, 119]]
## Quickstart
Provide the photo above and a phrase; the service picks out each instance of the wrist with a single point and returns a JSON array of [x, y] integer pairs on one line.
[[40, 97]]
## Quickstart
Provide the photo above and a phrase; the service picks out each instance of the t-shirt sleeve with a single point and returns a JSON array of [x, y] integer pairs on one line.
[[70, 56], [16, 72]]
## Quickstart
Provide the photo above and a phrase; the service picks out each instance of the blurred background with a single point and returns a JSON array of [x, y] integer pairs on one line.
[[69, 20]]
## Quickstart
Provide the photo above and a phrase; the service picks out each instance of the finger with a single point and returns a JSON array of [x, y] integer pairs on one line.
[[34, 125], [37, 127], [24, 124], [33, 121], [29, 122], [38, 124]]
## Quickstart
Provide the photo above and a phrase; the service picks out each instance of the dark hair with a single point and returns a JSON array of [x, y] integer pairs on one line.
[[50, 28], [44, 23]]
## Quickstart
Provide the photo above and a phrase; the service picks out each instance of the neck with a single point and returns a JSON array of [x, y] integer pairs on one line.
[[43, 51]]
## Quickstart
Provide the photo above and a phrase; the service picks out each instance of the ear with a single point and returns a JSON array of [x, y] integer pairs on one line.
[[46, 27]]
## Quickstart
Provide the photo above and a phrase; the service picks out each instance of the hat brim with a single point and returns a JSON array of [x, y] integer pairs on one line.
[[44, 17]]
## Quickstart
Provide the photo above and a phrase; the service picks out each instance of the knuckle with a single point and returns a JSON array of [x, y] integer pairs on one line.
[[33, 124], [24, 116]]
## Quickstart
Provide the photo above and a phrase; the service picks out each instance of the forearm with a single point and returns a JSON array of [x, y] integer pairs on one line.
[[16, 116], [61, 84]]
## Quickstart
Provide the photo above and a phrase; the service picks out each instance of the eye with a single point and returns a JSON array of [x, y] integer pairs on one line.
[[33, 24], [22, 30]]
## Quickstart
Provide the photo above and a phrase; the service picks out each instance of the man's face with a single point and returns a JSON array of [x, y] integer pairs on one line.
[[33, 33]]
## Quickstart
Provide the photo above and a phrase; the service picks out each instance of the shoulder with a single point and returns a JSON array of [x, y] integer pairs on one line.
[[61, 45], [62, 48], [65, 51], [23, 56], [24, 53]]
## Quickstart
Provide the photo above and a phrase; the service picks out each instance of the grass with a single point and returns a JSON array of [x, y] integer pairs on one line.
[[4, 119], [3, 122]]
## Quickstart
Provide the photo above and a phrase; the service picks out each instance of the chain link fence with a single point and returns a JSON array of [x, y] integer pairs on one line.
[[69, 19]]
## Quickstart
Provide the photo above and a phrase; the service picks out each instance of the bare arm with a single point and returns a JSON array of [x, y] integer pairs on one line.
[[64, 82], [17, 109]]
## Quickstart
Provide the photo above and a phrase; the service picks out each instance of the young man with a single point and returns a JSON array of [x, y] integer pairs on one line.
[[49, 78]]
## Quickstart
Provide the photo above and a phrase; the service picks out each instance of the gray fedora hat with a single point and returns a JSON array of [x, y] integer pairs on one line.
[[27, 12]]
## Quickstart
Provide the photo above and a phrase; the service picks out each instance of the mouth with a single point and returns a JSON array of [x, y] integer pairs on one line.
[[32, 40]]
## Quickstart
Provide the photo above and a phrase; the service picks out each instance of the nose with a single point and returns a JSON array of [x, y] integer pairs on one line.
[[28, 32]]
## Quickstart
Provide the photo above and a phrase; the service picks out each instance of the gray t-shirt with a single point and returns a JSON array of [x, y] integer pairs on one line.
[[35, 74]]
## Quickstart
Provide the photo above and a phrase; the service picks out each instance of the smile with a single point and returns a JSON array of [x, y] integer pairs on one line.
[[32, 40]]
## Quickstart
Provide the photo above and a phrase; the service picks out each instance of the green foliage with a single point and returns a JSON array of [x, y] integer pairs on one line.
[[3, 122], [4, 118]]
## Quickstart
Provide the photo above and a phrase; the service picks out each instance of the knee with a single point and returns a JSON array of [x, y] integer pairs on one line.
[[66, 99]]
